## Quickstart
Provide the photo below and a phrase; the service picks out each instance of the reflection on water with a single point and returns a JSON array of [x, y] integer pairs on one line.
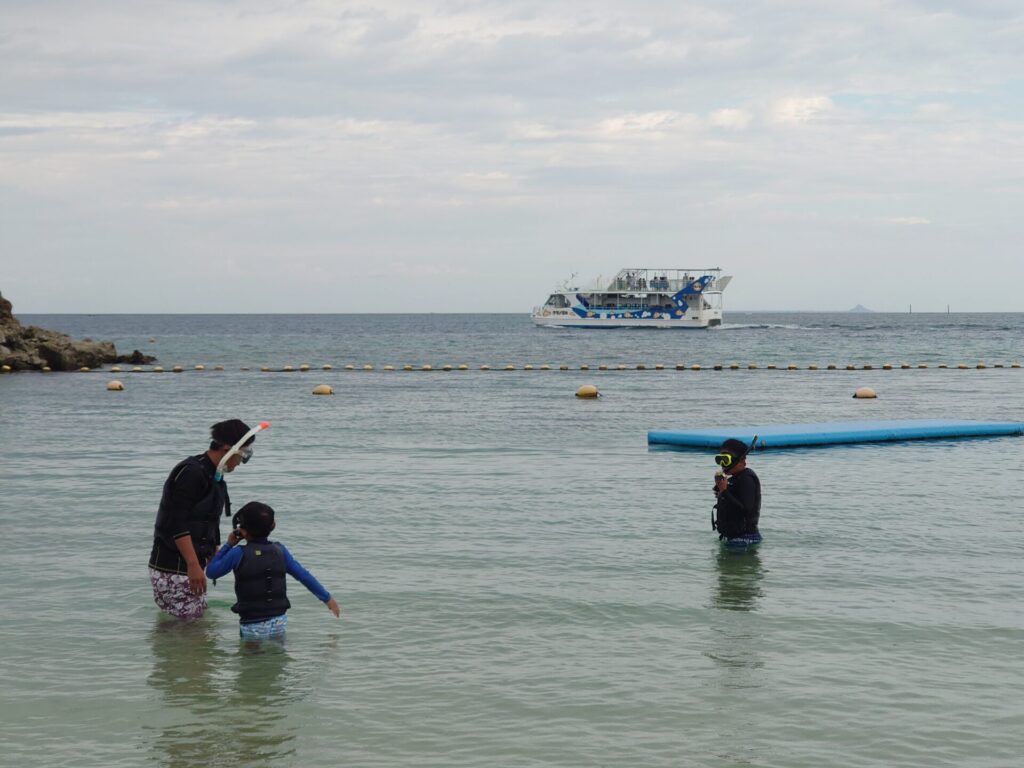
[[739, 580], [737, 644], [226, 700]]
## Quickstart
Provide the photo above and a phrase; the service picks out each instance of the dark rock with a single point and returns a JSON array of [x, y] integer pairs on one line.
[[33, 347], [136, 358]]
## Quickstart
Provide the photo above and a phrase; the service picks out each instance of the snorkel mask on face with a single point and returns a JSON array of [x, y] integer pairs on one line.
[[725, 460], [243, 450]]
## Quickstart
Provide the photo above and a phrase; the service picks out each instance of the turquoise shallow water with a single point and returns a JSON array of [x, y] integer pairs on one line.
[[522, 581]]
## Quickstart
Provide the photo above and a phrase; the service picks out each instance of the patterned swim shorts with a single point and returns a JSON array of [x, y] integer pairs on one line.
[[264, 630], [172, 595]]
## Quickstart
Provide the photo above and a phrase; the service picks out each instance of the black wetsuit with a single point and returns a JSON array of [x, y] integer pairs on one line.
[[191, 504], [739, 505]]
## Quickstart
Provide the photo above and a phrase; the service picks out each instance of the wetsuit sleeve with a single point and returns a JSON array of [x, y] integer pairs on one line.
[[307, 579], [741, 495], [226, 559], [188, 487]]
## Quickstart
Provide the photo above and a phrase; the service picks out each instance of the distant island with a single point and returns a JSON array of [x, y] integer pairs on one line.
[[860, 308]]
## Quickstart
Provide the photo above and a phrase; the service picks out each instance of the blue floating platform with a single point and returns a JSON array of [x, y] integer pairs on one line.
[[836, 433]]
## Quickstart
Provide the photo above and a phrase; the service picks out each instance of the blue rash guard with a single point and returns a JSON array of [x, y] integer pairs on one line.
[[228, 557]]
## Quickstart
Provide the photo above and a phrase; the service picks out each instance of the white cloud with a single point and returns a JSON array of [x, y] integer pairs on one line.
[[800, 109]]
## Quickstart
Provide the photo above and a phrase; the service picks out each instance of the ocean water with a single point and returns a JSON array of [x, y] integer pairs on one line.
[[522, 581]]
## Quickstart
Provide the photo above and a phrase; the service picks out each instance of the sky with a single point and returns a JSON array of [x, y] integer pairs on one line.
[[469, 156]]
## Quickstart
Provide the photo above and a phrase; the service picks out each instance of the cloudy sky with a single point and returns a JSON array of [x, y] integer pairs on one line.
[[294, 156]]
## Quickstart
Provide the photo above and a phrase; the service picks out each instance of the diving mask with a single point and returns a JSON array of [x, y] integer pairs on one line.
[[246, 453], [725, 460]]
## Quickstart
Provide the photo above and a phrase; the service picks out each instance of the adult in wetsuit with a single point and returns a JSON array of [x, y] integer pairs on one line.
[[738, 490], [187, 530]]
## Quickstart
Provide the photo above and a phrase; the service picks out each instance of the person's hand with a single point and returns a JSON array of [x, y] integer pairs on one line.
[[721, 483], [196, 579], [235, 536], [332, 605]]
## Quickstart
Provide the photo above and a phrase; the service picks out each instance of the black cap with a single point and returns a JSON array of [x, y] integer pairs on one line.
[[229, 432], [736, 448]]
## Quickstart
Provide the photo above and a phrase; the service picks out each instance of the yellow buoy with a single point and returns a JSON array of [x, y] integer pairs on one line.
[[288, 369], [350, 367], [367, 367], [904, 366], [389, 367], [751, 366], [464, 367], [734, 366], [158, 369], [427, 367], [327, 367], [868, 367], [602, 367], [641, 367], [265, 368], [695, 367], [485, 367], [831, 366], [510, 367], [406, 367], [544, 367], [771, 366], [177, 369], [680, 366], [980, 365], [997, 365], [323, 389], [115, 386], [1015, 365], [44, 369], [962, 367], [83, 369], [152, 340], [587, 391], [199, 368], [245, 368], [218, 367], [943, 365], [5, 369], [865, 393], [659, 367], [851, 367], [563, 367], [304, 367], [584, 367], [136, 369], [621, 366], [528, 367], [922, 365], [812, 367], [115, 369], [791, 367], [717, 366], [886, 366]]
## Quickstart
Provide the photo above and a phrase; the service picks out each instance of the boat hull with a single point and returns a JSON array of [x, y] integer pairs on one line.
[[570, 321]]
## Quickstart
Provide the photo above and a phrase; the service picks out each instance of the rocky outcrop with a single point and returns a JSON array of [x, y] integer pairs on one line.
[[31, 348]]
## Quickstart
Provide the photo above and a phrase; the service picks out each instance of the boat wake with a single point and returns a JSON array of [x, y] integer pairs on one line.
[[757, 327]]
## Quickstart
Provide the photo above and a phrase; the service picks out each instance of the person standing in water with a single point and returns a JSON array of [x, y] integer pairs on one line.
[[187, 530], [738, 490]]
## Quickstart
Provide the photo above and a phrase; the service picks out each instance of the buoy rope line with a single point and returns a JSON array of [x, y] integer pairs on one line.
[[531, 367]]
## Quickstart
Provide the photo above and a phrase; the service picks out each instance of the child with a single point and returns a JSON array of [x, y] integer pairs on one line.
[[260, 569]]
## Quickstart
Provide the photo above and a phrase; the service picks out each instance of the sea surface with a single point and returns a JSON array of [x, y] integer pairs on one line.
[[522, 581]]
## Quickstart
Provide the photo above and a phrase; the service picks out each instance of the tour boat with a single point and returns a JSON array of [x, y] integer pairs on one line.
[[640, 298]]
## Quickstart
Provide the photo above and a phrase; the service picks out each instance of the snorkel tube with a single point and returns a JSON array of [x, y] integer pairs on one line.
[[237, 448]]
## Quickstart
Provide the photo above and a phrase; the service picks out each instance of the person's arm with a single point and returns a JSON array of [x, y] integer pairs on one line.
[[226, 560], [187, 489], [741, 494], [308, 580]]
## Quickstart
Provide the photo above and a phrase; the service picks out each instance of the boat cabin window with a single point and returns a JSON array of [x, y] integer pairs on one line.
[[558, 300]]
